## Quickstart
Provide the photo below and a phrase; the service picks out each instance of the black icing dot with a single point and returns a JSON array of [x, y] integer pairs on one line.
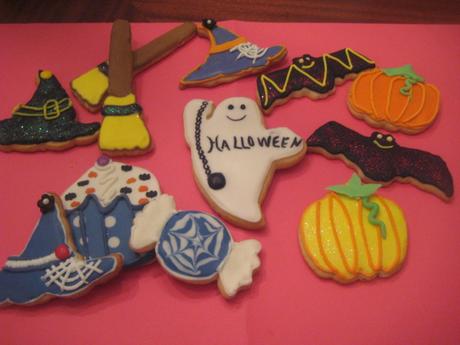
[[144, 177], [82, 183], [151, 193], [70, 196], [46, 203], [126, 190], [230, 107], [243, 106], [126, 167]]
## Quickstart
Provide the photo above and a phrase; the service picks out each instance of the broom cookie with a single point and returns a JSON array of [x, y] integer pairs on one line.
[[380, 159], [123, 131], [352, 234], [313, 77], [234, 156], [90, 88], [396, 99], [230, 57]]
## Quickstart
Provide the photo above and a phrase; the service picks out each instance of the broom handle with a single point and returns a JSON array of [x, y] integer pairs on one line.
[[120, 59]]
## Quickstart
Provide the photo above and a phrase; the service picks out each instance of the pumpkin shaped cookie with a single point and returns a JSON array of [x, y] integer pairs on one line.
[[352, 234], [396, 99]]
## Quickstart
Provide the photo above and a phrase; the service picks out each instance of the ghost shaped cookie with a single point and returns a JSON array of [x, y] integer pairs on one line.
[[234, 156]]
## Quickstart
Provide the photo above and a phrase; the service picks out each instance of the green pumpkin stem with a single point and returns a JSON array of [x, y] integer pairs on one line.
[[411, 78], [357, 190], [372, 217]]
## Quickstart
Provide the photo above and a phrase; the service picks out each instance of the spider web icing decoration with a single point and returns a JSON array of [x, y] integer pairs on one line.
[[193, 244]]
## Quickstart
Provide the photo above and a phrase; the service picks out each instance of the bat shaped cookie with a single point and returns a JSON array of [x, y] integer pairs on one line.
[[380, 159], [313, 77]]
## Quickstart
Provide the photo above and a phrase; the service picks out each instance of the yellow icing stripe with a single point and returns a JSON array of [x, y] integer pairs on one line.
[[331, 199], [348, 65], [126, 100], [319, 239], [52, 109], [422, 104], [394, 229]]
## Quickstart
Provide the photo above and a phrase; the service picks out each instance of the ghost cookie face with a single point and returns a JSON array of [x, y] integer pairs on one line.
[[234, 156]]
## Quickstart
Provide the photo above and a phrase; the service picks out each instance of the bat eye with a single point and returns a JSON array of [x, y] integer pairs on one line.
[[301, 60], [390, 139], [379, 136], [243, 106], [230, 107]]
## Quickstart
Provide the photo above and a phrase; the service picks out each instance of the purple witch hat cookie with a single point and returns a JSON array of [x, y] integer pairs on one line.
[[230, 57]]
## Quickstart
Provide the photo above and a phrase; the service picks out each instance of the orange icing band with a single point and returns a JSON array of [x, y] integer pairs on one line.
[[92, 174], [75, 203], [131, 180], [394, 230], [366, 243], [90, 190]]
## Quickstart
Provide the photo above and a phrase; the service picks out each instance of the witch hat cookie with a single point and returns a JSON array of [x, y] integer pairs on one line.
[[230, 57], [46, 122], [50, 265], [101, 206]]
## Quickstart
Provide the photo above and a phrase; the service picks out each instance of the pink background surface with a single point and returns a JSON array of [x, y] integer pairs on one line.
[[287, 303]]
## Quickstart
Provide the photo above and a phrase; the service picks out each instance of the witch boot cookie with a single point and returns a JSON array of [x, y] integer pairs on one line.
[[234, 156], [50, 266], [230, 57], [194, 246], [123, 131], [46, 122], [101, 206]]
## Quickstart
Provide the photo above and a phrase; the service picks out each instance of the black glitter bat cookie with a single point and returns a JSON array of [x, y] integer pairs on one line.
[[379, 158]]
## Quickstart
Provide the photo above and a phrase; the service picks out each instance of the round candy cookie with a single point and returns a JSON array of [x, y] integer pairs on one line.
[[194, 246], [396, 99], [352, 234]]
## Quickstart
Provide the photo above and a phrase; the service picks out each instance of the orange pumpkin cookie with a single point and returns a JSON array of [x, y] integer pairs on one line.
[[396, 99], [352, 234]]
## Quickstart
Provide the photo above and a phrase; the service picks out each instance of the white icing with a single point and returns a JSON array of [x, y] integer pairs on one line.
[[237, 271], [245, 170], [71, 274], [109, 181], [81, 241], [21, 263], [149, 223], [76, 221], [114, 242], [110, 221], [249, 50]]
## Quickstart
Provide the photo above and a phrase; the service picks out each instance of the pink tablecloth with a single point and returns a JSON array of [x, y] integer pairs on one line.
[[287, 303]]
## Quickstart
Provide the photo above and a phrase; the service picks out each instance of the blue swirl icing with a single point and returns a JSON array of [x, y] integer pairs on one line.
[[193, 245]]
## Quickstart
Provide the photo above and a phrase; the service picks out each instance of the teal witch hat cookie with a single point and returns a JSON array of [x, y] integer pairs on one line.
[[46, 122]]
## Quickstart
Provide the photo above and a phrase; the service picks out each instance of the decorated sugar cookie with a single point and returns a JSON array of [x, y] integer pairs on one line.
[[230, 57], [313, 77], [51, 266], [396, 99], [46, 122], [352, 234], [234, 156], [90, 88], [101, 206], [194, 246], [379, 158]]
